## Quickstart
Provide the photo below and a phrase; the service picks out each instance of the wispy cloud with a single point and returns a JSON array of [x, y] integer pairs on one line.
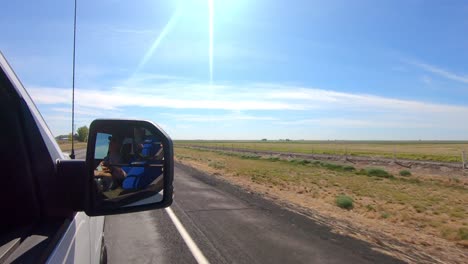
[[364, 122], [216, 118], [164, 96], [174, 95], [331, 99], [439, 71], [284, 106], [144, 77], [78, 111]]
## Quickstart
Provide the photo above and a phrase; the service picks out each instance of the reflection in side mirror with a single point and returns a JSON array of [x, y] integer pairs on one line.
[[130, 165]]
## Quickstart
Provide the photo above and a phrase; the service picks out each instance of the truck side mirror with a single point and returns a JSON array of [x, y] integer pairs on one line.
[[130, 167]]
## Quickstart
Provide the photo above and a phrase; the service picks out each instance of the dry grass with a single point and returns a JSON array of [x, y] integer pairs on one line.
[[433, 207], [416, 150], [67, 145]]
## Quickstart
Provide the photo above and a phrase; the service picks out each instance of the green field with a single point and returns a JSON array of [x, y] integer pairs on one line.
[[443, 151]]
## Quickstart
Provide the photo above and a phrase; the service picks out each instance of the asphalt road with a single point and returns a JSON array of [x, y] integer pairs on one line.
[[229, 226], [79, 153]]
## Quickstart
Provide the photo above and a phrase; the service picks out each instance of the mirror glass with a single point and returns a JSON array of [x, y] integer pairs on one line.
[[128, 166]]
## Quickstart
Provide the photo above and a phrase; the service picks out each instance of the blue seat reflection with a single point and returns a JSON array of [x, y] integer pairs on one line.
[[141, 176]]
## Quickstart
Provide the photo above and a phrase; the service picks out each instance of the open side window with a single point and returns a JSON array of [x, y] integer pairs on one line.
[[27, 230], [20, 206]]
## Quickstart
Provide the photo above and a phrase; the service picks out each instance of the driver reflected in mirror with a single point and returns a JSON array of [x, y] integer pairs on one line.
[[139, 135], [111, 174]]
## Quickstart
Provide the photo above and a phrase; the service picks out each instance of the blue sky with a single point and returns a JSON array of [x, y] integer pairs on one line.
[[276, 69]]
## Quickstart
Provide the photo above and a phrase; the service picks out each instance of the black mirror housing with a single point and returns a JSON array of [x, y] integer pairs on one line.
[[70, 186], [137, 158]]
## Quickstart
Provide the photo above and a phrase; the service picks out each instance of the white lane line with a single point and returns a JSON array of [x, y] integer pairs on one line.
[[196, 252]]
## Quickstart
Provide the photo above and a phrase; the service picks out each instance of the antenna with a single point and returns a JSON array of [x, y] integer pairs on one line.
[[72, 154]]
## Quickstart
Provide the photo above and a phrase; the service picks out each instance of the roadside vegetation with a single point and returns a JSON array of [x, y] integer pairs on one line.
[[413, 150], [405, 173], [430, 206], [66, 146], [344, 201], [81, 138], [376, 172]]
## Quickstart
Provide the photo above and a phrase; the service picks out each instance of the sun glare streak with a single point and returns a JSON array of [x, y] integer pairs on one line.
[[210, 24], [167, 28]]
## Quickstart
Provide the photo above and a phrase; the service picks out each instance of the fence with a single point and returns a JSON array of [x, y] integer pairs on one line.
[[345, 156]]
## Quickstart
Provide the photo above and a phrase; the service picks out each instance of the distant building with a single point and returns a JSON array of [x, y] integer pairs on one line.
[[65, 137], [62, 138]]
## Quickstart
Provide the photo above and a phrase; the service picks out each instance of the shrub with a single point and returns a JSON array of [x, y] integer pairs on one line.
[[336, 167], [405, 173], [231, 154], [300, 162], [254, 157], [216, 165], [273, 159], [344, 202], [349, 168], [332, 166], [377, 172]]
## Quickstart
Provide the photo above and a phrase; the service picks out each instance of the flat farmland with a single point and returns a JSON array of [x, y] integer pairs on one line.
[[441, 151]]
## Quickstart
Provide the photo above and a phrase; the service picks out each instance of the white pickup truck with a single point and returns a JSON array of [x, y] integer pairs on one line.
[[52, 208]]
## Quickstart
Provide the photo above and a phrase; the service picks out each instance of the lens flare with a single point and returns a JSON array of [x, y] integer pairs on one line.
[[167, 28]]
